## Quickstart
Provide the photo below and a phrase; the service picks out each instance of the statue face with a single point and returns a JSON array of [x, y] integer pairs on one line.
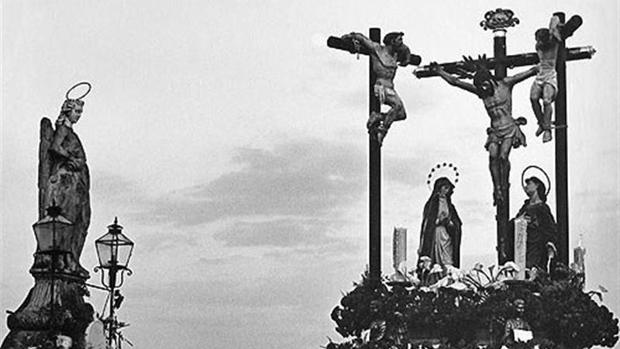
[[486, 88], [542, 35], [397, 42], [444, 190], [519, 306], [530, 188], [483, 80], [74, 113]]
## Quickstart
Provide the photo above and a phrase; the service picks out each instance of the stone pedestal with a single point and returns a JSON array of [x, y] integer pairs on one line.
[[33, 324]]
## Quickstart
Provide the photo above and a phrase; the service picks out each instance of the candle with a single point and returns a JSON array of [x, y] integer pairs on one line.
[[399, 250], [579, 255]]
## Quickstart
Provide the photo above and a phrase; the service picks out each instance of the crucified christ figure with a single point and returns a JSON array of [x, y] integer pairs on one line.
[[385, 60], [504, 133]]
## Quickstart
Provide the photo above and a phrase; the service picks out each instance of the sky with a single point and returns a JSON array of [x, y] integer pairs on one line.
[[230, 142]]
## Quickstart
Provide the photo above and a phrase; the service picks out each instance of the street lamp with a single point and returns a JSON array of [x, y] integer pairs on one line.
[[53, 234], [114, 251]]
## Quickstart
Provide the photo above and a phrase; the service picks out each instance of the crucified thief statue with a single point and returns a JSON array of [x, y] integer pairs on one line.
[[545, 86], [504, 133], [385, 60]]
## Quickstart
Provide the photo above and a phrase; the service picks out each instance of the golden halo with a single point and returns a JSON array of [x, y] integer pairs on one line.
[[534, 167], [77, 85], [445, 169]]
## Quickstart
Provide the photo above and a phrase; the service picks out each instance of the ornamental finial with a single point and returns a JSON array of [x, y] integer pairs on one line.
[[499, 19]]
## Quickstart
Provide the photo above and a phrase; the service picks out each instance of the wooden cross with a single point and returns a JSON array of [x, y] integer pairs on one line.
[[498, 21], [374, 267]]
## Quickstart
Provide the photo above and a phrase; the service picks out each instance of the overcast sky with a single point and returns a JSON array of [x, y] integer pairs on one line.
[[231, 144]]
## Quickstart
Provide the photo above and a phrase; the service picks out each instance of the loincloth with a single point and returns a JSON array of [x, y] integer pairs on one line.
[[384, 93], [547, 75], [511, 132]]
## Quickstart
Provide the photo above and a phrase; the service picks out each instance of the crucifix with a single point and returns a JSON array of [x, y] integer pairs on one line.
[[497, 92], [382, 69]]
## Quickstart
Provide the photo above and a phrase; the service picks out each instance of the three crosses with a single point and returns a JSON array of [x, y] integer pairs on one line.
[[497, 21]]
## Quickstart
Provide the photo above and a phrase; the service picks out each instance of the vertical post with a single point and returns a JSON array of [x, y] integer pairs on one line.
[[374, 175], [561, 153], [503, 207], [112, 283], [499, 52], [53, 274]]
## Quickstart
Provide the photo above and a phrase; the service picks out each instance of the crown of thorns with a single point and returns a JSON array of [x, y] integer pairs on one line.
[[474, 65]]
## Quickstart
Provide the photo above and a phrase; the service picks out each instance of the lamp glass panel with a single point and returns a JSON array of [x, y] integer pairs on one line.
[[46, 228]]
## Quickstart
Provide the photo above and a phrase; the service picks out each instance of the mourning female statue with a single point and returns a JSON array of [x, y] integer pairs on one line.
[[440, 236], [64, 180], [541, 226]]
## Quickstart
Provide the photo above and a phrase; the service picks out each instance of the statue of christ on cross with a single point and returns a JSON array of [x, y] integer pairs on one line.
[[504, 133]]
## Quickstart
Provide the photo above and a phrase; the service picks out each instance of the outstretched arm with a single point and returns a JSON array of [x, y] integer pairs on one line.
[[554, 29], [452, 80], [362, 39], [517, 78]]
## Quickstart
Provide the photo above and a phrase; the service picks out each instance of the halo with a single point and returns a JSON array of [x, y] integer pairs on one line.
[[445, 169], [77, 85], [534, 167]]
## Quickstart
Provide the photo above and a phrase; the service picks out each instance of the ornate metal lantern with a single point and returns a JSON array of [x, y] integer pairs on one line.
[[114, 251], [53, 239], [52, 232]]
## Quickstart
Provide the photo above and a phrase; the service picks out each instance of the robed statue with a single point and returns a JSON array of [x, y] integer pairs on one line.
[[64, 180], [54, 311], [440, 236]]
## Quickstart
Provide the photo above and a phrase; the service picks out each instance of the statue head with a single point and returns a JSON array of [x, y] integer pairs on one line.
[[443, 187], [393, 39], [543, 37], [71, 110], [533, 185], [425, 263], [484, 82], [519, 305]]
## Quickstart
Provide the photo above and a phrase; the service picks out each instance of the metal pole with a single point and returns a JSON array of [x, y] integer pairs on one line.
[[53, 272], [112, 279], [374, 176], [561, 151], [503, 207]]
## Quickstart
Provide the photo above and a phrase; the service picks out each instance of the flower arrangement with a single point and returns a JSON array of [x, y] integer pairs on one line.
[[557, 308]]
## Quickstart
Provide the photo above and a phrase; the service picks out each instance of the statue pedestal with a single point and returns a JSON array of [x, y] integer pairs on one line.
[[33, 324]]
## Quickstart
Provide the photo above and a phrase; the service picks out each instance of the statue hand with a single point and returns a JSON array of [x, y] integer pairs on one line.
[[434, 67]]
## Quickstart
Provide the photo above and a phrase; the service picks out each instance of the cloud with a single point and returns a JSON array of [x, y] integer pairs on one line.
[[307, 178], [277, 233], [297, 195]]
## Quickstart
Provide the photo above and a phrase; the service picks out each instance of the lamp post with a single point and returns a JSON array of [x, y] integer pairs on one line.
[[113, 251], [52, 233]]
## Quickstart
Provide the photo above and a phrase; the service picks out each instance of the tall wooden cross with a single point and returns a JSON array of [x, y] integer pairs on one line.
[[498, 21], [374, 267]]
